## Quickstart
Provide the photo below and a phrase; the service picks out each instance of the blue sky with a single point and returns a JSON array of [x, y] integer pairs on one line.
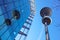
[[37, 28]]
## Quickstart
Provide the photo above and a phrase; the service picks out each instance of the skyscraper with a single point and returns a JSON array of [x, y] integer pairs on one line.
[[14, 15]]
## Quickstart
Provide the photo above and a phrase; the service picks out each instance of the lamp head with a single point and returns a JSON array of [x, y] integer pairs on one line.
[[16, 14], [46, 11], [47, 20]]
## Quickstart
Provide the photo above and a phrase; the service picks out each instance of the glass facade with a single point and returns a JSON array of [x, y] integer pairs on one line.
[[10, 28]]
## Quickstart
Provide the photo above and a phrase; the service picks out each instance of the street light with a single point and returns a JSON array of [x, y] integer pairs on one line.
[[46, 20]]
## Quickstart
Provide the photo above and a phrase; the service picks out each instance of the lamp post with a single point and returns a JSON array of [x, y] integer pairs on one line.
[[46, 20]]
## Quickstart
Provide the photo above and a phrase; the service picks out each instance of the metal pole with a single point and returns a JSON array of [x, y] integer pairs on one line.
[[46, 32]]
